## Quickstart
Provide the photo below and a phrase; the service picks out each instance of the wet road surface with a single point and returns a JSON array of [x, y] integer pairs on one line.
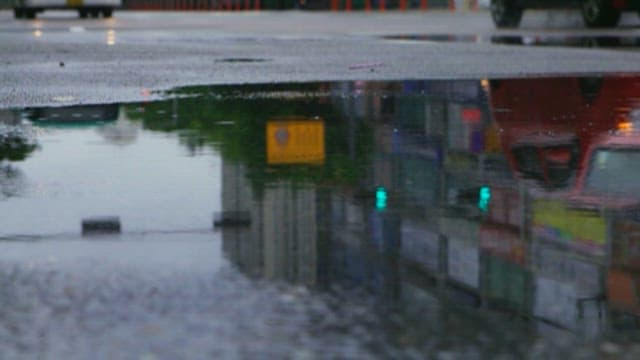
[[59, 60], [476, 218]]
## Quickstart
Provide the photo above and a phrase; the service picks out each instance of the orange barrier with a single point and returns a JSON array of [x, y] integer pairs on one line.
[[238, 5], [192, 5]]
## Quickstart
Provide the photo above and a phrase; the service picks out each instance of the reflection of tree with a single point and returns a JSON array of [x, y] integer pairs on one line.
[[233, 120], [16, 142], [12, 181]]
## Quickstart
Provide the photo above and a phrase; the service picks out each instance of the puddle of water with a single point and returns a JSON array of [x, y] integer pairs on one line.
[[412, 218], [604, 41]]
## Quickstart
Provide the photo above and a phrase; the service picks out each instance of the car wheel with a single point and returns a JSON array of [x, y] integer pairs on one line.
[[590, 87], [30, 14], [95, 13], [83, 13], [599, 13], [505, 13], [107, 13], [18, 13]]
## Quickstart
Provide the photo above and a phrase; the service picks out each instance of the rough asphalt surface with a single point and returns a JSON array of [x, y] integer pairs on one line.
[[59, 59]]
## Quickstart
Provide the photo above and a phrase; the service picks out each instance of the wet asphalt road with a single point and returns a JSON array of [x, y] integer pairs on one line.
[[168, 287], [59, 59]]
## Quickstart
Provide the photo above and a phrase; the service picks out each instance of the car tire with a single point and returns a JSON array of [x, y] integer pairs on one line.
[[506, 13], [95, 13], [107, 13], [590, 87], [29, 14], [599, 13], [83, 13]]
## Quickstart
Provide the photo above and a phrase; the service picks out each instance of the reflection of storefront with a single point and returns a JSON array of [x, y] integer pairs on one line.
[[569, 289], [463, 255], [506, 275], [421, 246], [623, 277]]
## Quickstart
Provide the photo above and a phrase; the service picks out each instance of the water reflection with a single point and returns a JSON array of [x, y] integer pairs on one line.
[[17, 139], [500, 194], [17, 142], [477, 216], [553, 40]]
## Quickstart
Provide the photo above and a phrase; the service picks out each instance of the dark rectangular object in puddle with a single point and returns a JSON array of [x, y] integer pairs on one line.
[[231, 219], [101, 225]]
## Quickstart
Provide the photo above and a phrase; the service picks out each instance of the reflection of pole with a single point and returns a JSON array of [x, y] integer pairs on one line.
[[443, 261], [174, 111], [444, 151], [352, 128]]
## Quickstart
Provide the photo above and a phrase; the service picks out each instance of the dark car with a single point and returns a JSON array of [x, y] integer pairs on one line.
[[595, 13]]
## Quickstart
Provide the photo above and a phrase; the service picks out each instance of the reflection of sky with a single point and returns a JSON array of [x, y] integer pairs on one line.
[[151, 184]]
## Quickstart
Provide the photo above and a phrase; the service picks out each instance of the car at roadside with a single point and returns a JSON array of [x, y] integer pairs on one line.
[[27, 9], [595, 13]]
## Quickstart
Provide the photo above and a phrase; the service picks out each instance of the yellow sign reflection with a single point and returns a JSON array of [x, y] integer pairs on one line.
[[295, 141]]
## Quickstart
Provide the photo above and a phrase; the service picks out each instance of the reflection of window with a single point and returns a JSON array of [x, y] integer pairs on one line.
[[614, 171], [552, 166]]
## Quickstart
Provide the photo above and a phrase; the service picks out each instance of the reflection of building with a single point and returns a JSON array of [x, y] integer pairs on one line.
[[437, 214], [122, 132], [281, 241], [290, 233], [569, 289]]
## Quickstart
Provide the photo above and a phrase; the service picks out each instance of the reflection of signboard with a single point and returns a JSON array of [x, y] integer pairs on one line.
[[295, 142], [583, 229]]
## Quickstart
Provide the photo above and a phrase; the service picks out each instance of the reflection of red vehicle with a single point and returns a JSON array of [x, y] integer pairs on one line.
[[547, 124], [610, 168], [537, 122], [549, 127]]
